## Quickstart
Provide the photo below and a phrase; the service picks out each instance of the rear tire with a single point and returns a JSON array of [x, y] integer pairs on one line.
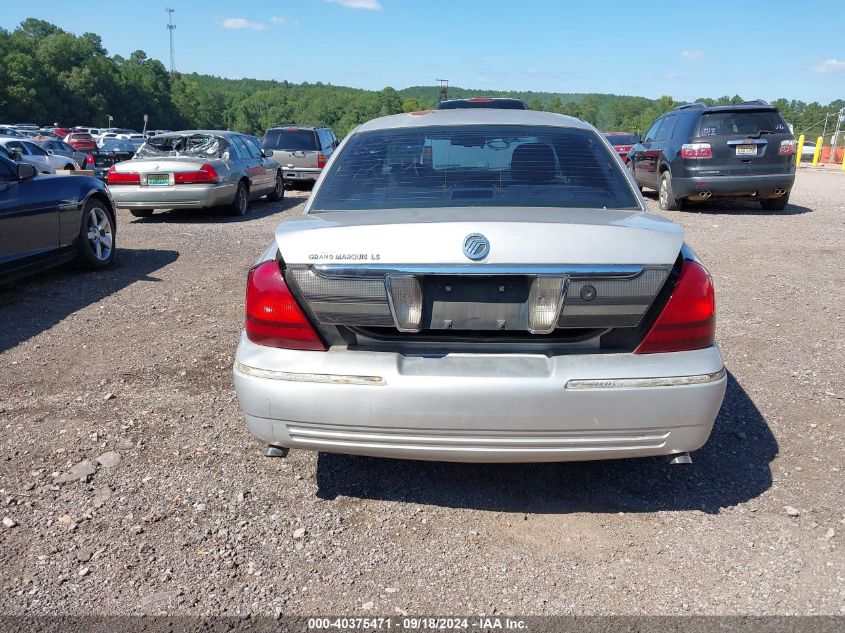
[[665, 196], [141, 213], [278, 190], [97, 236], [240, 205], [775, 204], [69, 167]]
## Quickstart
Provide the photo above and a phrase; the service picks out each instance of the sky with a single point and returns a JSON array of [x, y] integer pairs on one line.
[[754, 48]]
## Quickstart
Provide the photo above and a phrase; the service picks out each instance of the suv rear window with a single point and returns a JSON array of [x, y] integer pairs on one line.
[[483, 102], [291, 140], [450, 166], [741, 122], [622, 139]]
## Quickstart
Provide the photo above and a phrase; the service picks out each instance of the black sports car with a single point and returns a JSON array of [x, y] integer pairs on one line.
[[114, 151], [48, 220]]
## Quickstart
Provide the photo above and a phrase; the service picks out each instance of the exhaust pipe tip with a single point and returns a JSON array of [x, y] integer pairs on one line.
[[276, 451], [704, 194], [680, 458], [780, 192]]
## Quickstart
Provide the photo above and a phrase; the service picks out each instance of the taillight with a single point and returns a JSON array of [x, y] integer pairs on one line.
[[206, 173], [89, 159], [688, 321], [696, 150], [321, 160], [123, 177], [787, 148], [273, 318]]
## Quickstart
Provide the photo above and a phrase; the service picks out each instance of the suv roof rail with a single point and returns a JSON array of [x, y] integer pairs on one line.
[[692, 106]]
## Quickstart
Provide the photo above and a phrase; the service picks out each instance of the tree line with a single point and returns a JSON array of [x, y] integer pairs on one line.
[[48, 75]]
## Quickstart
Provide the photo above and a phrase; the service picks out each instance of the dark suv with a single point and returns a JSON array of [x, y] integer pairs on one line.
[[696, 152], [301, 150]]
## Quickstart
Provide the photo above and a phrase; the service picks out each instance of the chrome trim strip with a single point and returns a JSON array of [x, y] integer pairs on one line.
[[331, 379], [576, 271], [644, 383]]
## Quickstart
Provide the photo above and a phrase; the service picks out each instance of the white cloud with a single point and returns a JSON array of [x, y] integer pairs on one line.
[[278, 20], [370, 5], [829, 66], [240, 23], [691, 55]]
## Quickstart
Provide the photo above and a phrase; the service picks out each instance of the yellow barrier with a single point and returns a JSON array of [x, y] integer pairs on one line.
[[818, 152], [799, 150]]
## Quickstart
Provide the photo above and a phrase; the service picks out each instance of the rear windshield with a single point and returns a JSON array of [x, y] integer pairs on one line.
[[474, 166], [501, 104], [121, 146], [743, 122], [291, 140], [203, 145], [82, 137], [623, 139]]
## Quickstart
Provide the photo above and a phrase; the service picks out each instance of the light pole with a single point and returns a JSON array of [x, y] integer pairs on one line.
[[110, 119]]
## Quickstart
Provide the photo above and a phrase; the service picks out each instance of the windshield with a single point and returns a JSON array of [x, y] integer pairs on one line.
[[201, 145], [622, 139], [484, 165], [500, 104], [747, 122], [122, 146], [291, 140]]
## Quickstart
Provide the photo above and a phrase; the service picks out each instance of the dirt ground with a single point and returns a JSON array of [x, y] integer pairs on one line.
[[183, 516]]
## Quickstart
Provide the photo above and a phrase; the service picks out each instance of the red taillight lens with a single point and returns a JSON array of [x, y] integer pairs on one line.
[[206, 173], [787, 148], [89, 160], [273, 317], [688, 321], [321, 160], [696, 150], [123, 177]]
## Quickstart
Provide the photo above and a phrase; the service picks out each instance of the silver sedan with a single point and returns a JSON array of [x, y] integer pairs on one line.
[[195, 169]]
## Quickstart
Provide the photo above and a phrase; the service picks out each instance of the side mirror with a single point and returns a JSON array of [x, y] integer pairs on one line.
[[268, 153], [26, 171], [49, 152]]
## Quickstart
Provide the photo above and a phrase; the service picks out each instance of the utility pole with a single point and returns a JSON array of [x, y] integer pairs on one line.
[[444, 89], [170, 28]]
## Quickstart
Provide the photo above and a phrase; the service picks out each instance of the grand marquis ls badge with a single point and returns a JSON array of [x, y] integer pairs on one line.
[[476, 246]]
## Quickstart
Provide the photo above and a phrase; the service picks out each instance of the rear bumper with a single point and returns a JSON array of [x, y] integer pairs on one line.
[[172, 197], [733, 186], [480, 408], [304, 174]]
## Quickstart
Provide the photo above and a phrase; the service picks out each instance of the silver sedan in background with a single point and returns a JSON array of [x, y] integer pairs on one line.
[[195, 169]]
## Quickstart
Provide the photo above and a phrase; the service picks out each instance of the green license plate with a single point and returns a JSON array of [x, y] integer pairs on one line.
[[158, 179]]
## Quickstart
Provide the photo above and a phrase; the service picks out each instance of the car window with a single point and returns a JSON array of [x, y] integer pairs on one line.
[[652, 131], [290, 139], [666, 129], [16, 146], [747, 122], [8, 170], [251, 146], [35, 149], [240, 147], [622, 139], [484, 165]]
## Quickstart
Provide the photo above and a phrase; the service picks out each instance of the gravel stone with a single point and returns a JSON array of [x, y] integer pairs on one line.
[[109, 459], [9, 522], [79, 472], [792, 512]]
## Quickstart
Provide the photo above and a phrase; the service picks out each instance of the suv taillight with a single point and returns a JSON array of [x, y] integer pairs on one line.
[[696, 150], [273, 318], [321, 160], [123, 177], [89, 159], [688, 321], [205, 174], [787, 148]]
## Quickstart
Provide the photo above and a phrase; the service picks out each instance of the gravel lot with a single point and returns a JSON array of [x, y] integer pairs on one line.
[[181, 515]]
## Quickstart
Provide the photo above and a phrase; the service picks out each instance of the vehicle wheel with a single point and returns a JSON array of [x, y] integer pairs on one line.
[[775, 204], [279, 190], [96, 235], [141, 213], [666, 198], [240, 205], [69, 167]]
